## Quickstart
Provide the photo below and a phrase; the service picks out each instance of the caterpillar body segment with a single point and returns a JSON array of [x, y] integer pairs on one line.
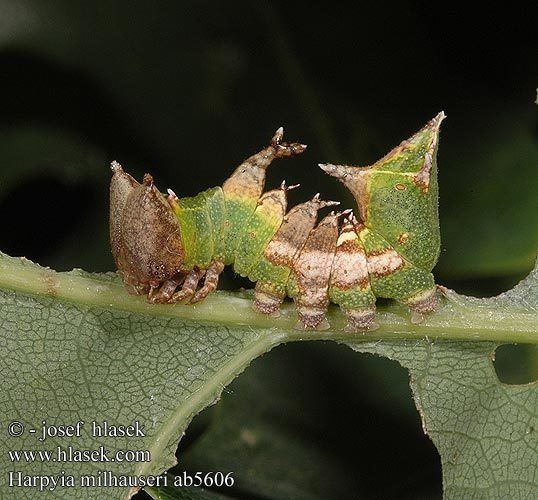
[[243, 188], [350, 285], [147, 258], [309, 285], [273, 272], [121, 186], [200, 237], [397, 198], [174, 249], [262, 225]]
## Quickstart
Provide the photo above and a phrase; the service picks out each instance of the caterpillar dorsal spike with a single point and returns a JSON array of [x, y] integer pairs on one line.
[[115, 166], [277, 137], [323, 203], [172, 194], [345, 213], [162, 243], [347, 224], [148, 180], [338, 171], [172, 198], [282, 149], [285, 187]]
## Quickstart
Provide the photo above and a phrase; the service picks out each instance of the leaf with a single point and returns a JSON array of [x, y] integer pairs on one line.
[[484, 430], [336, 446], [64, 362], [273, 436], [76, 347]]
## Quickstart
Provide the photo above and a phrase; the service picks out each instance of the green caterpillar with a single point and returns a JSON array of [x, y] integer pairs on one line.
[[164, 245]]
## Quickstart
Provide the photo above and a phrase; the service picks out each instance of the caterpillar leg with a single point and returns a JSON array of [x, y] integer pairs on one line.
[[211, 281], [267, 299], [189, 287], [422, 303], [360, 319], [163, 294], [350, 284]]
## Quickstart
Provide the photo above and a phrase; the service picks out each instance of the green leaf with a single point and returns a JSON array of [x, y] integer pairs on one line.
[[63, 362], [77, 347], [485, 431]]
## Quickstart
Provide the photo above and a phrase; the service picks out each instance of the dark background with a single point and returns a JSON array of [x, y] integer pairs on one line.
[[186, 90]]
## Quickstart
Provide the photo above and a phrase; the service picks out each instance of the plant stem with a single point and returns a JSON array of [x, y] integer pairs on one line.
[[459, 320]]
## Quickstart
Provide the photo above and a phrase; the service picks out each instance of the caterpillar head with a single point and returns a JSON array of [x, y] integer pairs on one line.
[[145, 235]]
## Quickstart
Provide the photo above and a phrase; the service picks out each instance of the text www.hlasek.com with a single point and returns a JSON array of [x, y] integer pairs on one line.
[[22, 458], [70, 454], [103, 478]]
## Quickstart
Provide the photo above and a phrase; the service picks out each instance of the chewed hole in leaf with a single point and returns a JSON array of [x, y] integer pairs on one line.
[[516, 364], [315, 418]]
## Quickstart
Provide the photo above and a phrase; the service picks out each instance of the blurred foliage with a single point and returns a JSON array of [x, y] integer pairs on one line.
[[187, 89]]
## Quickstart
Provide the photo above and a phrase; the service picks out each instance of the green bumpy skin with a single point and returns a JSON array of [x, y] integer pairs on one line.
[[201, 220], [399, 206], [259, 230], [387, 249]]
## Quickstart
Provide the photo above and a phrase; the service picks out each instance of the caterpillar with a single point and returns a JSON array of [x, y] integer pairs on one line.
[[173, 249]]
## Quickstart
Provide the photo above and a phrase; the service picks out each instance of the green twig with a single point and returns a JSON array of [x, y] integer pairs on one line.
[[458, 318]]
